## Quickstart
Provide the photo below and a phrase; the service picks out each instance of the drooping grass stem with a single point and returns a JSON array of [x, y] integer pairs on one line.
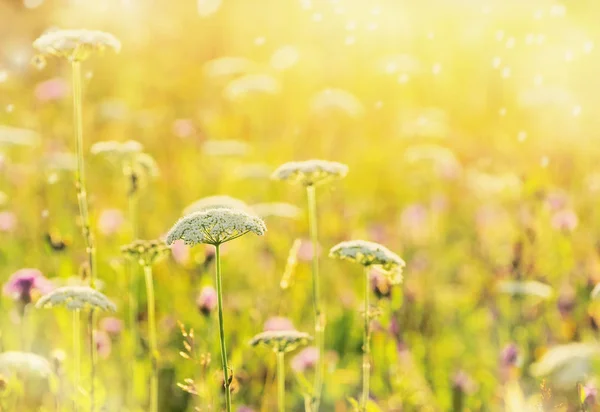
[[226, 377], [280, 381], [366, 365], [152, 338], [319, 316]]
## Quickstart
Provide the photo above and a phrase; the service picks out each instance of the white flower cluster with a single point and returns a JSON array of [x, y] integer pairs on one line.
[[75, 45], [310, 172], [566, 365], [225, 148], [370, 254], [215, 226], [251, 84], [228, 66], [215, 202], [24, 364], [146, 252], [526, 288], [277, 209], [281, 341], [112, 148], [337, 100], [14, 136], [76, 298]]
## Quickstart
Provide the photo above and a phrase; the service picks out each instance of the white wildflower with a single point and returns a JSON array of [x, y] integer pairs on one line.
[[75, 45], [146, 252], [215, 202], [310, 172], [276, 209], [526, 288], [281, 341], [14, 136], [336, 100], [113, 148], [225, 148], [370, 254], [251, 84], [76, 298], [24, 364], [215, 226], [285, 57], [228, 66], [253, 171], [61, 161], [566, 365]]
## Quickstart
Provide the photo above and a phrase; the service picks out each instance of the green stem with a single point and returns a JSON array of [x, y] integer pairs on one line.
[[133, 302], [280, 381], [366, 345], [93, 361], [226, 377], [152, 338], [80, 174], [77, 351], [319, 316]]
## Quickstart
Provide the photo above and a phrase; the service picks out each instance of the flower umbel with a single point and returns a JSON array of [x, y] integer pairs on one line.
[[76, 298], [215, 226], [281, 341], [310, 172], [75, 45], [146, 252], [370, 254]]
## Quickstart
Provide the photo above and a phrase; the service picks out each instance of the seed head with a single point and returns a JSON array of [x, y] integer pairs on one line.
[[370, 254], [281, 341], [310, 172], [215, 202], [76, 298], [75, 45], [146, 252], [215, 226]]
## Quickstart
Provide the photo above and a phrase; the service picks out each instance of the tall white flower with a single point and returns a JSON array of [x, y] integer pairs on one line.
[[310, 172], [281, 341], [24, 364], [76, 298], [215, 226], [369, 254], [75, 45]]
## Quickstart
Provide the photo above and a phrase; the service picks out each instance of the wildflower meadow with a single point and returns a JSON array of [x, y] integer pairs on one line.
[[299, 205]]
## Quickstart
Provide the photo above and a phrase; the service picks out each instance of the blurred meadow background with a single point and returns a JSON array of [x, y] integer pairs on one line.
[[470, 130]]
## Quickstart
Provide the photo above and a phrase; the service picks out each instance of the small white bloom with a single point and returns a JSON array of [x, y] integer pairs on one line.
[[566, 365], [24, 363], [277, 209], [215, 226], [75, 45], [13, 136], [336, 100], [526, 288], [225, 148], [76, 298], [370, 254], [228, 66], [146, 252], [215, 202], [113, 148], [281, 341], [310, 172], [251, 84]]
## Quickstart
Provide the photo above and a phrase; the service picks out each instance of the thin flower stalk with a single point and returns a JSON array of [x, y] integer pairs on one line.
[[226, 378], [281, 381], [366, 366], [77, 349], [152, 338], [319, 316], [132, 292]]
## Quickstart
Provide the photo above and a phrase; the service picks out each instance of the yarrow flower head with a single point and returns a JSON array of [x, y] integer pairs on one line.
[[146, 252], [75, 45], [566, 365], [215, 226], [24, 283], [115, 149], [215, 202], [24, 364], [310, 172], [251, 84], [76, 298], [370, 254], [281, 340], [526, 288]]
